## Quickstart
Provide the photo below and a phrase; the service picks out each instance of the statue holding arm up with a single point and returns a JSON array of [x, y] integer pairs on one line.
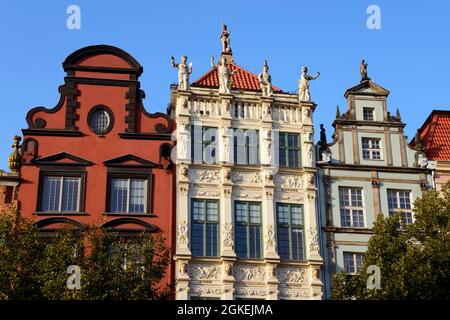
[[183, 72], [303, 85]]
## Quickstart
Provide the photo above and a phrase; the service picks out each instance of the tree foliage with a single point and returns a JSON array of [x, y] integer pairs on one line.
[[414, 259], [112, 267]]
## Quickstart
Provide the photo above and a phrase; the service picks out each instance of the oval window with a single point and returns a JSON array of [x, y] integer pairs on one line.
[[100, 120]]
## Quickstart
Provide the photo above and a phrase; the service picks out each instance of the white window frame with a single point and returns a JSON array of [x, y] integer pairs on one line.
[[61, 188], [355, 266], [397, 197], [129, 194], [350, 207], [370, 149]]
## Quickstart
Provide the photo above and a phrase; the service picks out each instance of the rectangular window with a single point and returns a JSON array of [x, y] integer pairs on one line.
[[204, 144], [368, 114], [371, 148], [400, 201], [351, 206], [290, 231], [128, 195], [248, 229], [246, 146], [205, 228], [289, 150], [61, 194], [353, 262]]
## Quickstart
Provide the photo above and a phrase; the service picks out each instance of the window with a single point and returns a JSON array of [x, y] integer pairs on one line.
[[204, 144], [368, 114], [400, 201], [371, 149], [248, 229], [352, 208], [353, 262], [205, 228], [290, 231], [128, 195], [100, 120], [61, 194], [289, 150], [246, 146]]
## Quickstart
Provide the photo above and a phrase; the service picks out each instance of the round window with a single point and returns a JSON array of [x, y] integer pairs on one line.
[[100, 120]]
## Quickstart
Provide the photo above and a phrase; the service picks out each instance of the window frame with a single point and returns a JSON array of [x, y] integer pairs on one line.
[[204, 143], [351, 207], [354, 262], [409, 211], [291, 226], [286, 149], [248, 224], [70, 173], [372, 111], [130, 174], [371, 149], [204, 223], [247, 146]]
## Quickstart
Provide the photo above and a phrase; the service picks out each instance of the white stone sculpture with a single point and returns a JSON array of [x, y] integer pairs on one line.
[[303, 85], [224, 74], [265, 81], [184, 71], [225, 39]]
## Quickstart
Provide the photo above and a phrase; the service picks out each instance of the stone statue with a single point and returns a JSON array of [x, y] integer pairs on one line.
[[303, 85], [265, 81], [323, 136], [225, 38], [226, 149], [363, 71], [183, 72], [224, 74]]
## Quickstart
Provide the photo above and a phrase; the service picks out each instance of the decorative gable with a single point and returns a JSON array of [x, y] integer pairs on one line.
[[367, 88]]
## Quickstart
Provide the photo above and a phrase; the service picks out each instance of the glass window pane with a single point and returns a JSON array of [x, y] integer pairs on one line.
[[212, 211], [241, 241], [198, 210], [197, 239], [119, 195], [297, 244], [241, 212], [51, 194], [255, 242], [137, 195], [211, 240], [255, 213], [296, 215], [283, 242], [283, 214], [70, 196]]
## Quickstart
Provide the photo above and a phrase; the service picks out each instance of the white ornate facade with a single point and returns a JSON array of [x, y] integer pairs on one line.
[[225, 275]]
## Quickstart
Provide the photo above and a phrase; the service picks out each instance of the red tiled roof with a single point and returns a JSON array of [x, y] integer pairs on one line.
[[241, 80], [435, 134]]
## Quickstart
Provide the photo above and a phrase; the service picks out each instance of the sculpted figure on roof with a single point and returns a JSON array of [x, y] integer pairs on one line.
[[224, 73], [183, 72], [225, 38], [303, 85], [363, 71], [265, 81]]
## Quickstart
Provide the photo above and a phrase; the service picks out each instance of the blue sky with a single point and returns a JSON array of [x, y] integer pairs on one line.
[[408, 55]]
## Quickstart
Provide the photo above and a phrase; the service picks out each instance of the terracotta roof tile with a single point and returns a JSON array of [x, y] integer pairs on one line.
[[435, 134], [241, 80]]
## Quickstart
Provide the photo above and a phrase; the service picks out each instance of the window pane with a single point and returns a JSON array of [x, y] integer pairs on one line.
[[51, 195], [283, 214], [137, 195], [296, 215], [345, 217], [198, 210], [255, 242], [211, 211], [241, 212], [197, 239], [293, 141], [119, 195], [297, 244], [255, 213], [348, 263], [282, 157], [241, 241], [212, 240], [70, 196], [283, 242]]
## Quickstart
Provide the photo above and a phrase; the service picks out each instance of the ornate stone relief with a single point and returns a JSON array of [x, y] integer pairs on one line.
[[313, 240], [228, 235], [246, 178], [201, 290], [182, 235], [253, 292], [291, 275], [207, 193], [289, 181], [204, 272], [270, 242], [294, 197], [294, 293], [249, 273], [205, 176]]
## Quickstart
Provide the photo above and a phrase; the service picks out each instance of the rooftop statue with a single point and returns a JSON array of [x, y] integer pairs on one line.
[[265, 81], [183, 72], [224, 74], [225, 38], [303, 85], [363, 71]]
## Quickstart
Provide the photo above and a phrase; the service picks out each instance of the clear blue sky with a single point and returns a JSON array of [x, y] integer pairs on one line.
[[408, 56]]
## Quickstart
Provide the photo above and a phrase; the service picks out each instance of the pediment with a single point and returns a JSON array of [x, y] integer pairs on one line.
[[63, 158], [130, 160], [367, 88]]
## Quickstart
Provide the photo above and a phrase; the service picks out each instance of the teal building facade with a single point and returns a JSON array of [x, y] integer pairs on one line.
[[367, 170]]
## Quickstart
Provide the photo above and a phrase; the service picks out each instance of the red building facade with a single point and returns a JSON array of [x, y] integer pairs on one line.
[[98, 157]]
